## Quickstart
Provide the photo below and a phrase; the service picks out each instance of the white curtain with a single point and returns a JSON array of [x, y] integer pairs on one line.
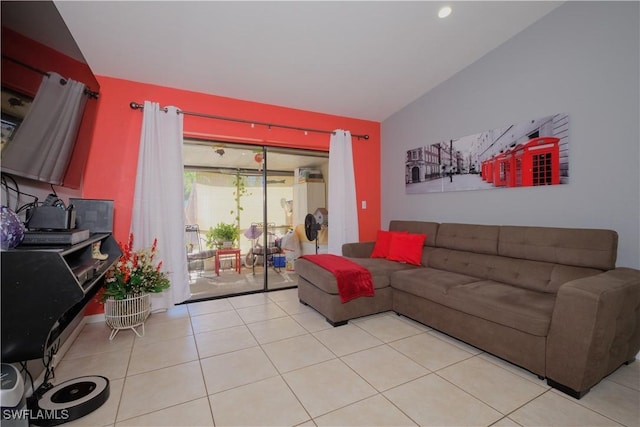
[[342, 203], [42, 146], [157, 206]]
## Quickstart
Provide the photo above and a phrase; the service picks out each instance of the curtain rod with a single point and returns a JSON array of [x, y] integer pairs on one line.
[[136, 106], [87, 91]]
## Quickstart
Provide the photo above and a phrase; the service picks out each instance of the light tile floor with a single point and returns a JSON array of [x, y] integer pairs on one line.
[[266, 359]]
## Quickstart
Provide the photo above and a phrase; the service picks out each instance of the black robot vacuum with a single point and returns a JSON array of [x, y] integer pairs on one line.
[[70, 400]]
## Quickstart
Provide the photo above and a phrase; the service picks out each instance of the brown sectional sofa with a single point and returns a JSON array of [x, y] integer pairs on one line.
[[547, 299]]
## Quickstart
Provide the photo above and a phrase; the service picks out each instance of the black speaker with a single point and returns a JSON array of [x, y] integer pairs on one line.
[[93, 214]]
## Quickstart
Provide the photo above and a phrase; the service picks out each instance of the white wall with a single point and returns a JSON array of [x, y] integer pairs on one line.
[[582, 59]]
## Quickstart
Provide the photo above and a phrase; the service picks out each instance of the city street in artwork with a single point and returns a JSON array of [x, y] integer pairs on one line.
[[527, 154]]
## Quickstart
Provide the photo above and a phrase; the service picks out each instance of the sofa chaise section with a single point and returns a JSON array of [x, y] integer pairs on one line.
[[318, 288]]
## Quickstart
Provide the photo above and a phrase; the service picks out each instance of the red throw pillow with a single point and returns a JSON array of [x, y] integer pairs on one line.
[[383, 240], [407, 248]]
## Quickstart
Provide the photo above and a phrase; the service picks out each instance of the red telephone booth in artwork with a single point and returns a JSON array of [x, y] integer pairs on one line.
[[537, 162], [488, 170], [513, 169], [516, 154], [502, 170]]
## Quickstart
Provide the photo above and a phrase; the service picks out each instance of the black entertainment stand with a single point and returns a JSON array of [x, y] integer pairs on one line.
[[44, 288]]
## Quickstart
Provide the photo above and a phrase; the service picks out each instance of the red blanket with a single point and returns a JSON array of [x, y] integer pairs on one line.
[[353, 280]]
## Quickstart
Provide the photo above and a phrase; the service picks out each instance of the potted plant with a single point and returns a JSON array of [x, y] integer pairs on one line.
[[222, 235], [128, 285]]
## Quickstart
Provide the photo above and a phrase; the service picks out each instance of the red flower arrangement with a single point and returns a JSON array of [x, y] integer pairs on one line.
[[134, 273]]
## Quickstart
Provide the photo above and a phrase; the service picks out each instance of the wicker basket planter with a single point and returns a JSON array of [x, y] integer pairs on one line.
[[128, 313]]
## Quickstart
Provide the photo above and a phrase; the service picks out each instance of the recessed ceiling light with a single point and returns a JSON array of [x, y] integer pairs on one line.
[[444, 11]]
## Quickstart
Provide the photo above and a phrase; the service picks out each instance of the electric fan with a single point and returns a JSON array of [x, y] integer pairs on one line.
[[311, 228], [314, 223], [322, 216]]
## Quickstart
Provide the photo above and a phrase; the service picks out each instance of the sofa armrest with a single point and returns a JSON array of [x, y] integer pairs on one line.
[[595, 328], [358, 249]]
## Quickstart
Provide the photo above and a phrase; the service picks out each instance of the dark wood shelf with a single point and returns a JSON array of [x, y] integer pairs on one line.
[[43, 288]]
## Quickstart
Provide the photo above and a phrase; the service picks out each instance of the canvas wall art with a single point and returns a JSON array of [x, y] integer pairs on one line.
[[527, 154]]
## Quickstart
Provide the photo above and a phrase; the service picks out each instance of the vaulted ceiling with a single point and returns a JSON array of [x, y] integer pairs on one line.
[[361, 59]]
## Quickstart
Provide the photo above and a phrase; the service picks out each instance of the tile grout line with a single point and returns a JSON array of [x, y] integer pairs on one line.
[[124, 383], [116, 421], [204, 382], [578, 402], [338, 357], [279, 374]]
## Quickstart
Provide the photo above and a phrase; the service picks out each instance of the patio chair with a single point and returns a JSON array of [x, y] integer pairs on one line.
[[258, 255], [195, 254]]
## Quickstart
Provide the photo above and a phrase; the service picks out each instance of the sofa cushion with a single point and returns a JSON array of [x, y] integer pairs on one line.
[[428, 283], [534, 275], [468, 263], [326, 281], [482, 239], [406, 248], [522, 309], [537, 276], [417, 227], [578, 247], [358, 249], [382, 267]]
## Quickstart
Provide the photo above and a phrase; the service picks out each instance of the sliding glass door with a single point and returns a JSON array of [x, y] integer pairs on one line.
[[224, 189], [240, 200]]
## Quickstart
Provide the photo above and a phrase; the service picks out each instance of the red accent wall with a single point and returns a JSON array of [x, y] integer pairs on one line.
[[111, 167]]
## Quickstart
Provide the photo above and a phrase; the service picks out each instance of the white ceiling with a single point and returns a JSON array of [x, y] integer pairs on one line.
[[361, 59]]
